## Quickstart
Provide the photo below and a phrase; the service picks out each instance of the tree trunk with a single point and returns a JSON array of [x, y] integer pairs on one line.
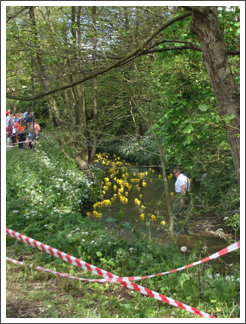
[[80, 104], [205, 25], [95, 119], [79, 150], [140, 131], [16, 91]]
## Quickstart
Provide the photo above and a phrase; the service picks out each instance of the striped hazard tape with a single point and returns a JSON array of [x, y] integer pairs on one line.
[[61, 255], [56, 272], [16, 143], [226, 250], [109, 277], [131, 286]]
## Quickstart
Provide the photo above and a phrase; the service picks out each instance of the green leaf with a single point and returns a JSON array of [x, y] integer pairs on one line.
[[188, 129], [190, 288], [110, 219], [99, 254], [138, 235], [183, 278], [164, 128], [228, 118], [187, 140], [203, 107], [148, 257], [127, 226], [132, 263], [220, 289]]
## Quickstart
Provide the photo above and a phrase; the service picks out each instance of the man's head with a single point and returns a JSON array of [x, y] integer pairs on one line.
[[177, 171]]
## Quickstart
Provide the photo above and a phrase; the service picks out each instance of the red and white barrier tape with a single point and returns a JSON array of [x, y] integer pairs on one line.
[[61, 255], [20, 142], [108, 276], [226, 250], [132, 286], [55, 272]]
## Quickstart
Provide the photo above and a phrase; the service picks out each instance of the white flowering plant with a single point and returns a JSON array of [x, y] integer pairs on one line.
[[133, 150], [46, 181], [233, 220]]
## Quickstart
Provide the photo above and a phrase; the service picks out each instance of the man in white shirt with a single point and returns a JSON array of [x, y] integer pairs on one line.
[[182, 198]]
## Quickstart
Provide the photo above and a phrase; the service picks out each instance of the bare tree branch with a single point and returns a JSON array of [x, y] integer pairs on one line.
[[182, 48], [101, 71], [192, 9], [11, 17], [192, 46]]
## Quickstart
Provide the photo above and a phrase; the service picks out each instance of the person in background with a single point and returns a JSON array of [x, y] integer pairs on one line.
[[21, 133], [28, 119], [8, 134], [16, 125], [182, 198], [36, 130], [14, 133], [7, 118], [11, 121], [29, 122], [26, 113], [16, 117], [20, 118]]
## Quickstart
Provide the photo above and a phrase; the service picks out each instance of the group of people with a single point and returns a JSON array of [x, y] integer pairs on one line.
[[21, 128]]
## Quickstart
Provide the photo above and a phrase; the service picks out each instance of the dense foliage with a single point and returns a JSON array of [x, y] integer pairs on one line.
[[156, 102]]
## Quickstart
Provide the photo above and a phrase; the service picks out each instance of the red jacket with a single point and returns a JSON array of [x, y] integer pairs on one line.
[[9, 130], [20, 129]]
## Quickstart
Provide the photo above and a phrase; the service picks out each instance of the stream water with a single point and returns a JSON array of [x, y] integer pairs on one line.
[[153, 192]]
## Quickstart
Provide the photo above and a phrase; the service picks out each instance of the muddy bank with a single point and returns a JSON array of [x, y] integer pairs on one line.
[[211, 226]]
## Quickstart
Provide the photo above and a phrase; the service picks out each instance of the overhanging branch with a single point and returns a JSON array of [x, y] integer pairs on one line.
[[11, 17], [102, 71]]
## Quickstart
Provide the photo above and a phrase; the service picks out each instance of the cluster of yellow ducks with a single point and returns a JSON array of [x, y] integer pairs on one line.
[[120, 186]]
